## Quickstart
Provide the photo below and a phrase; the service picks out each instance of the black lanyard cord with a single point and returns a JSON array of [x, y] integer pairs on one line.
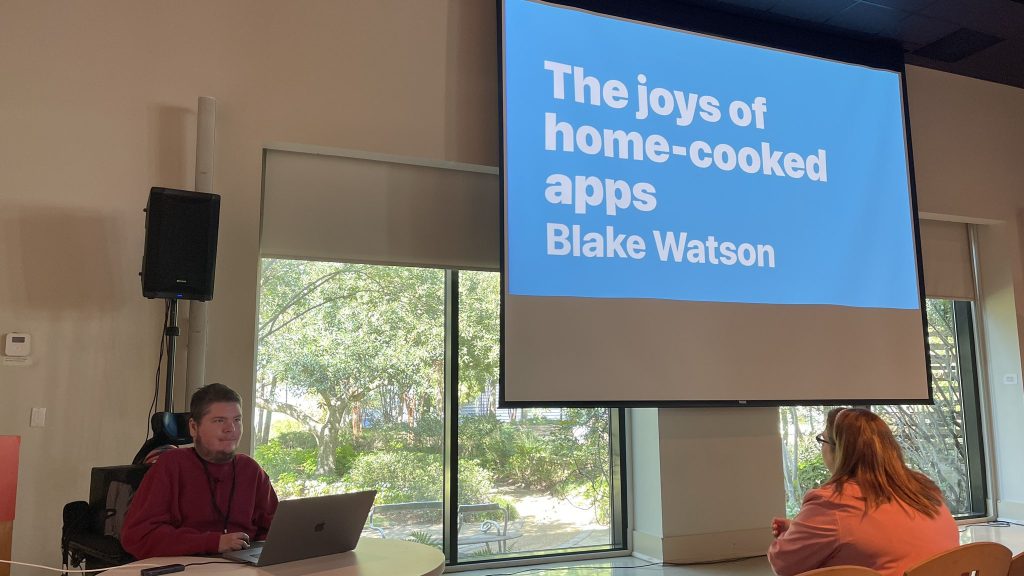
[[213, 490]]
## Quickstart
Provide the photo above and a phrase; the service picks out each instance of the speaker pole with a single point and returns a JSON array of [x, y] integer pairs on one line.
[[172, 334], [195, 374]]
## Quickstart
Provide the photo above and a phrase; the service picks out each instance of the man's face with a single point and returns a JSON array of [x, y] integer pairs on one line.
[[216, 435]]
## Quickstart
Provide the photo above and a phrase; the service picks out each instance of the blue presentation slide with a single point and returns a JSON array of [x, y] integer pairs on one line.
[[643, 162]]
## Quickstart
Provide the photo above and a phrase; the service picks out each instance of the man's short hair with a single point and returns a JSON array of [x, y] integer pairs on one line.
[[208, 395]]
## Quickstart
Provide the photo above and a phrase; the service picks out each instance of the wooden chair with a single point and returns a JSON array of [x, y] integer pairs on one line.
[[842, 571], [979, 558], [1016, 565]]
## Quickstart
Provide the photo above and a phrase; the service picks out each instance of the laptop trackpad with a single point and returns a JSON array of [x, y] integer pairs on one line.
[[250, 555]]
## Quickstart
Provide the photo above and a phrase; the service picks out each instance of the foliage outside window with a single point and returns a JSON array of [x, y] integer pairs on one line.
[[350, 395]]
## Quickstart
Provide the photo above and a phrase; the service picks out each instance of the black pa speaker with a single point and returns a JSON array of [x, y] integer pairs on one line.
[[181, 244]]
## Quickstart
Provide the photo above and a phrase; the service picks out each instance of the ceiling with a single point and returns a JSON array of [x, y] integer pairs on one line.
[[977, 38]]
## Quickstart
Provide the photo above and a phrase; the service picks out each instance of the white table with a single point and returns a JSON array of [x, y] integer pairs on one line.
[[372, 557]]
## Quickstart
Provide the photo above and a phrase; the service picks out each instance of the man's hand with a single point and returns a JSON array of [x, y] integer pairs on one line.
[[779, 526], [233, 541]]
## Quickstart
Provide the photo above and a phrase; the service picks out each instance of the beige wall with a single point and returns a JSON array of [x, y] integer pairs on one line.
[[97, 104], [968, 136]]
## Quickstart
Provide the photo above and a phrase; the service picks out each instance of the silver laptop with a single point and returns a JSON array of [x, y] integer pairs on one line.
[[310, 527]]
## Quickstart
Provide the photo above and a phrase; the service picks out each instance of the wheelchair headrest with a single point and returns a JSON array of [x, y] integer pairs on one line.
[[172, 427]]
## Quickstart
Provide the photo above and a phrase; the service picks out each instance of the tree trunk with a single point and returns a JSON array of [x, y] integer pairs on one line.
[[327, 440], [327, 445], [409, 399], [787, 467], [258, 427], [263, 432], [357, 421], [798, 490]]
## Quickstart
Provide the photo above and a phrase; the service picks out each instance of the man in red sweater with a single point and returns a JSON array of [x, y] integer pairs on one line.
[[205, 499]]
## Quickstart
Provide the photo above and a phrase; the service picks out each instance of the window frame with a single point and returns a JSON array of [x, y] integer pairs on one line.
[[970, 387], [618, 443], [970, 407], [617, 481]]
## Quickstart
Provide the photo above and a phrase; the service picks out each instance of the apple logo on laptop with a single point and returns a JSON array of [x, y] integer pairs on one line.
[[319, 527]]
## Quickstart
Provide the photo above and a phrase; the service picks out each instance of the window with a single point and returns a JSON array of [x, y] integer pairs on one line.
[[941, 440], [552, 466], [350, 379], [354, 382]]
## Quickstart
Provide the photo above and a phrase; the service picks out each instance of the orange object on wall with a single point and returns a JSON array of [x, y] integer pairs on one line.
[[8, 476], [8, 492]]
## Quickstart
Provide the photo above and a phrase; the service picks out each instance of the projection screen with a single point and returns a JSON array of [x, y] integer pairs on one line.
[[689, 219]]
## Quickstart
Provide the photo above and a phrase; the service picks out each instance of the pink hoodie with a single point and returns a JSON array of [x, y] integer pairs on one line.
[[835, 531]]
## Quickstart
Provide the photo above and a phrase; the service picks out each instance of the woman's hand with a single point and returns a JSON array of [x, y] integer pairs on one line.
[[233, 541], [779, 526]]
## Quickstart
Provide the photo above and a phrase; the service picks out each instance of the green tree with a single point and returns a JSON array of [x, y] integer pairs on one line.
[[479, 312], [343, 339]]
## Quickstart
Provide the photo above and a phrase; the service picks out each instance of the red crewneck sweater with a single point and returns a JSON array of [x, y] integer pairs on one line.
[[173, 512]]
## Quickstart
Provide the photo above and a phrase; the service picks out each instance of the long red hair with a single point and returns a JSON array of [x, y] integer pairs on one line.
[[866, 452]]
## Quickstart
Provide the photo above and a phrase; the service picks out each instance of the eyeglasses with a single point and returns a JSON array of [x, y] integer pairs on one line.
[[822, 440]]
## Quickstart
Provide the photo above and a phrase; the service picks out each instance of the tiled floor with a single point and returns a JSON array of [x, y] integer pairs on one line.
[[1009, 535]]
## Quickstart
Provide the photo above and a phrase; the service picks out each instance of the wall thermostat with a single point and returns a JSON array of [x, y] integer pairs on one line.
[[17, 344]]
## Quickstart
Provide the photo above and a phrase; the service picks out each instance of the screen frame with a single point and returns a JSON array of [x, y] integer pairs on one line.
[[879, 54]]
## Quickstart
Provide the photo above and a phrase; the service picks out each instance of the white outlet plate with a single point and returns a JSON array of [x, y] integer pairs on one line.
[[38, 419]]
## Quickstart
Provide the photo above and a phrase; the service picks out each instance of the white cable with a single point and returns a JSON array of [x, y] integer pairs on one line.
[[76, 571]]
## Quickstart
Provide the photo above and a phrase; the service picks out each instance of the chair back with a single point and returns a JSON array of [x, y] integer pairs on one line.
[[979, 559], [842, 571], [1016, 565]]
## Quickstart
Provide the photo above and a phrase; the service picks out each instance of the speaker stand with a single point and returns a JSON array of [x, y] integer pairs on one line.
[[171, 332]]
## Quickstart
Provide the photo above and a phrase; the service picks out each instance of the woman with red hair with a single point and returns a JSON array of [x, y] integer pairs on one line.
[[873, 511]]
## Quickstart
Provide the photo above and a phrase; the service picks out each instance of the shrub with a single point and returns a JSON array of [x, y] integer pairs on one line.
[[508, 503], [289, 486], [397, 476], [300, 440], [425, 436], [288, 457], [811, 469], [344, 456], [514, 453], [475, 483], [426, 538], [400, 476]]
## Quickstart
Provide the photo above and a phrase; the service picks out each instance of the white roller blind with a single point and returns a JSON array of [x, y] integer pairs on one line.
[[946, 258], [362, 208]]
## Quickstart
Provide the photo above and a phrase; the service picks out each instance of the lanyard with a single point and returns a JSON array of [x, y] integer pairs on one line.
[[213, 490]]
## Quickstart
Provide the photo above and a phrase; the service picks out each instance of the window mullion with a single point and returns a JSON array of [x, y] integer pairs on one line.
[[451, 414], [967, 368]]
